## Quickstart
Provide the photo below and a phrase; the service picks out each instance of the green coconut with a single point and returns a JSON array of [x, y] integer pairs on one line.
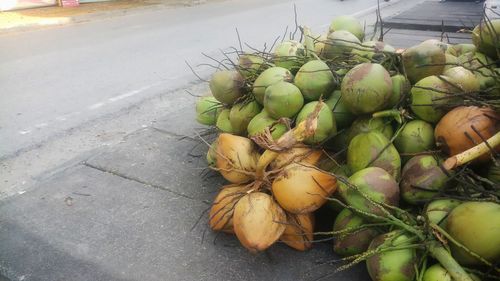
[[437, 211], [343, 117], [315, 80], [355, 241], [451, 61], [290, 55], [212, 154], [241, 114], [366, 88], [486, 38], [436, 273], [223, 123], [373, 149], [422, 179], [261, 121], [251, 65], [475, 225], [462, 78], [319, 44], [376, 184], [227, 86], [416, 136], [423, 60], [373, 51], [460, 49], [365, 124], [480, 65], [430, 97], [283, 99], [207, 109], [326, 122], [267, 78], [392, 265], [339, 45], [348, 23], [400, 89]]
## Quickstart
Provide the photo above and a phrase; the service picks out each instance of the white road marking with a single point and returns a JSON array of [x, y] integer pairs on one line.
[[96, 105]]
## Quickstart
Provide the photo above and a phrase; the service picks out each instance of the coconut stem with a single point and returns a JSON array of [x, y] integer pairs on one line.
[[472, 153], [447, 261]]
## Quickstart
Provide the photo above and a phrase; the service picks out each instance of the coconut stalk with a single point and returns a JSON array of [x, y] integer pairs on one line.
[[448, 262], [472, 153]]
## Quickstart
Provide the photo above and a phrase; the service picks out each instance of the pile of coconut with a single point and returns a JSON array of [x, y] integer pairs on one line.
[[401, 145]]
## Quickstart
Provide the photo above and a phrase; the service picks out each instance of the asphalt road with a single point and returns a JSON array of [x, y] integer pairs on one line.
[[55, 81]]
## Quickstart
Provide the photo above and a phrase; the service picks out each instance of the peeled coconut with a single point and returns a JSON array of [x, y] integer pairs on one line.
[[366, 88], [258, 221], [227, 86], [283, 99], [301, 188], [268, 77], [315, 80], [236, 158]]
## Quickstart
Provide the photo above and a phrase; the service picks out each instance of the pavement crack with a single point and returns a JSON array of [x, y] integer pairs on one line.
[[173, 134], [115, 173]]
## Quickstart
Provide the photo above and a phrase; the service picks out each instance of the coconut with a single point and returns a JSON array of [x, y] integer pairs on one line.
[[366, 88], [373, 149], [460, 49], [423, 60], [251, 65], [400, 89], [319, 44], [436, 273], [221, 213], [376, 184], [478, 63], [431, 97], [283, 99], [485, 37], [466, 126], [475, 225], [258, 221], [339, 44], [315, 80], [348, 23], [343, 117], [416, 136], [212, 154], [355, 241], [236, 158], [365, 124], [462, 78], [263, 121], [290, 55], [326, 122], [206, 110], [437, 211], [299, 231], [267, 78], [451, 61], [241, 114], [227, 86], [422, 179], [301, 188], [373, 51], [223, 123], [304, 155], [392, 265]]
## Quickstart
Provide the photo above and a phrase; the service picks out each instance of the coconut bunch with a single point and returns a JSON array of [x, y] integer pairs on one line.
[[400, 146]]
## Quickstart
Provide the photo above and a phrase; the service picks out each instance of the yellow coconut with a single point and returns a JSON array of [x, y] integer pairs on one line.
[[236, 158], [299, 231], [297, 155], [221, 213]]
